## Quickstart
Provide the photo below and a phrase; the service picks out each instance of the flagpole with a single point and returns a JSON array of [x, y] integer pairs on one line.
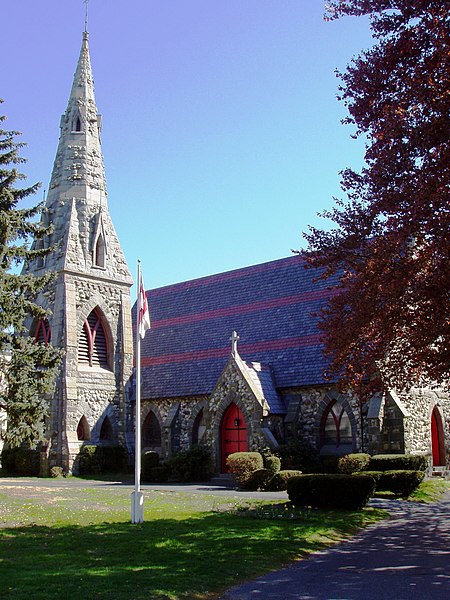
[[137, 497]]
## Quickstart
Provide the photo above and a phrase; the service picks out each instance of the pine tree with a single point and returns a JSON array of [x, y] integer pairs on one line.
[[390, 321], [29, 368]]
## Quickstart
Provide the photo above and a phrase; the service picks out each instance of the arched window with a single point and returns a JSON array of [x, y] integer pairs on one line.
[[83, 431], [100, 252], [336, 427], [106, 431], [42, 333], [199, 428], [93, 342], [151, 431]]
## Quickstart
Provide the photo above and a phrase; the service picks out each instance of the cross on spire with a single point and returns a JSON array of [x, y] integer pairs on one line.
[[234, 342]]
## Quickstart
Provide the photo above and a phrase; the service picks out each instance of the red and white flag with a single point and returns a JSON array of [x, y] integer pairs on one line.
[[144, 314]]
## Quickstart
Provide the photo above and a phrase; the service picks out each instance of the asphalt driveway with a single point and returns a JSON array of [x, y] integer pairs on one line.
[[406, 557]]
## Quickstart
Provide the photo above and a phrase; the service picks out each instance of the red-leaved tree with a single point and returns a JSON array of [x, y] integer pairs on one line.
[[390, 322]]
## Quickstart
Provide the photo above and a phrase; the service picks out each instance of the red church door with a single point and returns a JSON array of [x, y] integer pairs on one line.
[[233, 433], [437, 439]]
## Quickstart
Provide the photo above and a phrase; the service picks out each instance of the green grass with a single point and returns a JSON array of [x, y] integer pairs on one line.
[[60, 542], [430, 490]]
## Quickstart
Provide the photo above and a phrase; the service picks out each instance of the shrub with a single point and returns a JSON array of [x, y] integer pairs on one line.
[[329, 463], [299, 454], [278, 483], [149, 461], [156, 474], [353, 463], [400, 482], [56, 472], [242, 465], [88, 460], [112, 459], [272, 464], [259, 480], [21, 461], [194, 464], [403, 462], [331, 491]]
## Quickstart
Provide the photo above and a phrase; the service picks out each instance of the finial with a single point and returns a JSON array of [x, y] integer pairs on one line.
[[234, 341], [86, 16]]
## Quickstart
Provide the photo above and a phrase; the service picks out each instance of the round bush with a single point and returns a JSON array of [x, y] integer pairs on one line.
[[279, 481], [353, 463], [351, 492], [272, 464], [242, 465]]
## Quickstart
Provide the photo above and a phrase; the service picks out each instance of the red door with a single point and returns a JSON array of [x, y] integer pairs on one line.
[[233, 433], [437, 439]]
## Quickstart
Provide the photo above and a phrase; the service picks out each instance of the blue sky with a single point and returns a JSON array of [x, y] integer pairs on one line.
[[221, 129]]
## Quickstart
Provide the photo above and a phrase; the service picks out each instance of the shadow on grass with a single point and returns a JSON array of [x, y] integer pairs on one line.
[[161, 559]]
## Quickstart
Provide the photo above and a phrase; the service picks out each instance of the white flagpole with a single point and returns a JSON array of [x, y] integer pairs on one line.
[[137, 497]]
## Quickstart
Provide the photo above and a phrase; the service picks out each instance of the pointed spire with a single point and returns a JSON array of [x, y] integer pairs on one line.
[[79, 160]]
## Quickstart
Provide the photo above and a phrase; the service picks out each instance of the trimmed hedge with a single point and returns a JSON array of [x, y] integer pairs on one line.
[[350, 492], [353, 463], [400, 482], [398, 462], [94, 460], [156, 475], [194, 464], [21, 461], [299, 454], [279, 481], [242, 466]]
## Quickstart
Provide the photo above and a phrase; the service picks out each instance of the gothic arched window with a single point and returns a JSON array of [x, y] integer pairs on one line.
[[93, 342], [106, 431], [100, 252], [42, 333], [199, 428], [336, 427], [151, 431], [83, 431]]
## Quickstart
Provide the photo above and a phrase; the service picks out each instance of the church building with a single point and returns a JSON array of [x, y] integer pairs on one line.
[[232, 361]]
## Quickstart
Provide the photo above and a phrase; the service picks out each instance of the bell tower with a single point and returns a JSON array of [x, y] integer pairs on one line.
[[89, 296]]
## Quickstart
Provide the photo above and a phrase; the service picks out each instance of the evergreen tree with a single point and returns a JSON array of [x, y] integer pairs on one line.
[[29, 368], [390, 245]]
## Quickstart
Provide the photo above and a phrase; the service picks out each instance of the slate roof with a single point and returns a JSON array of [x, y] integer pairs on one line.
[[262, 378], [270, 305]]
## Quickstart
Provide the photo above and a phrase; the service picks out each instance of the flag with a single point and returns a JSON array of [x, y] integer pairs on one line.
[[144, 314]]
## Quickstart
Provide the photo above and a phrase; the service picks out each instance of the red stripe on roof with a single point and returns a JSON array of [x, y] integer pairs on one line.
[[242, 309], [244, 349]]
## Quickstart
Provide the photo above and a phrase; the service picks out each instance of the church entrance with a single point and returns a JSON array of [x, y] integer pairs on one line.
[[437, 439], [233, 433]]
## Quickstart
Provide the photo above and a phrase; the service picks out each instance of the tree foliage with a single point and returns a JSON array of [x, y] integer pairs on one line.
[[29, 368], [390, 243]]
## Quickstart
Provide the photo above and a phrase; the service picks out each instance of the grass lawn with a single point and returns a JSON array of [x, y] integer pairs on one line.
[[64, 541]]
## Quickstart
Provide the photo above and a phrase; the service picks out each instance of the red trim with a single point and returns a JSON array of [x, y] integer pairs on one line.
[[196, 355], [43, 325], [243, 309]]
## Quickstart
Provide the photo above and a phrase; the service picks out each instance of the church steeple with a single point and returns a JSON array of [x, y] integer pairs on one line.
[[85, 238], [79, 160]]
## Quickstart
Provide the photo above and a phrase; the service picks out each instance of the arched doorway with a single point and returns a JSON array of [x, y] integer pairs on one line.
[[233, 433], [437, 439]]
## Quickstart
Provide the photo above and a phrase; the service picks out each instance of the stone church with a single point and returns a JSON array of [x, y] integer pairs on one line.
[[232, 360]]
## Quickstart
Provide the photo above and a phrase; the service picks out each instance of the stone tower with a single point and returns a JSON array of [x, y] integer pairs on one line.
[[89, 299]]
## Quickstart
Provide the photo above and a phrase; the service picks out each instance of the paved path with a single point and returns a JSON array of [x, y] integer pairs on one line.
[[404, 558]]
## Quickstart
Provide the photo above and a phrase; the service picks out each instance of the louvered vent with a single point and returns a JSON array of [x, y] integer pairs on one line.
[[93, 347], [43, 333]]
